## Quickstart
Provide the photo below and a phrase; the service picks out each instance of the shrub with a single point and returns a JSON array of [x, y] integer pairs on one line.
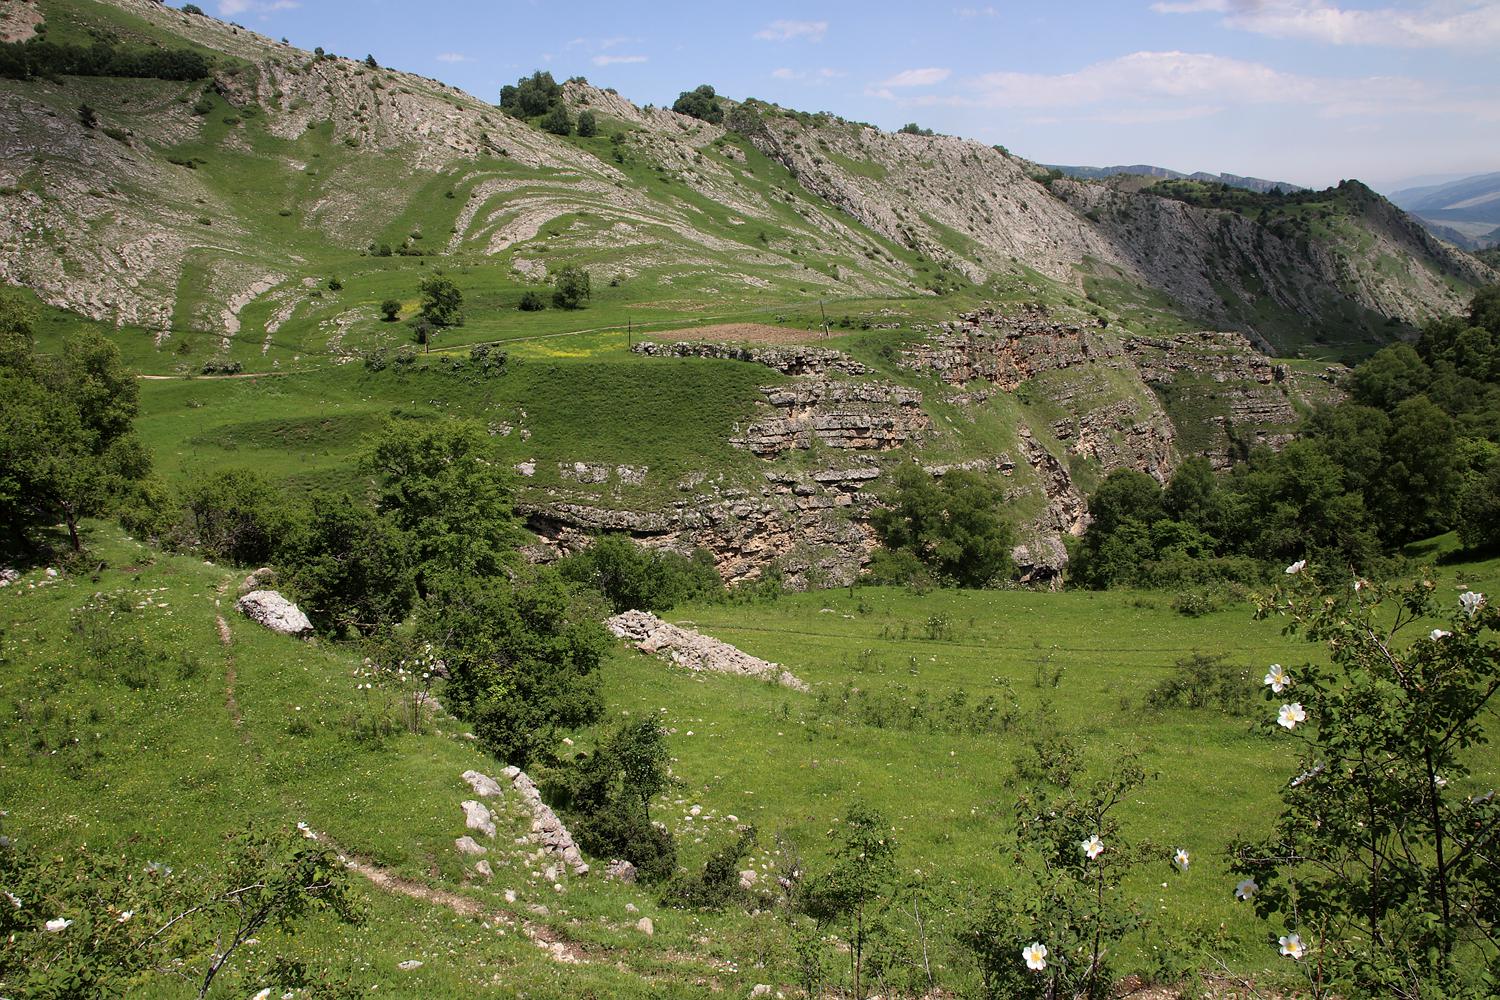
[[588, 126], [349, 568], [718, 883], [570, 287], [532, 301], [236, 516], [557, 120], [952, 526], [390, 309], [1203, 680], [488, 359], [635, 578], [522, 657], [701, 103]]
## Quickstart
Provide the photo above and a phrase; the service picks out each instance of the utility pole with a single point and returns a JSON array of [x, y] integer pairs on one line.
[[825, 317]]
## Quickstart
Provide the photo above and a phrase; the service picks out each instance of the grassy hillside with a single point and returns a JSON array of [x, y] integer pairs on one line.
[[134, 728]]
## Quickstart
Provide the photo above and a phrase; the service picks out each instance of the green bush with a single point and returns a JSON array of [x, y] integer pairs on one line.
[[236, 516], [349, 568], [952, 526], [532, 301], [635, 578]]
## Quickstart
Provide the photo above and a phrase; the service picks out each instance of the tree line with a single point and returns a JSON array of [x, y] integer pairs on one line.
[[41, 58]]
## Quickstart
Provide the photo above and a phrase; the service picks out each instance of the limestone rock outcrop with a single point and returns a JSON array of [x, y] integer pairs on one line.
[[545, 825], [270, 609], [694, 650]]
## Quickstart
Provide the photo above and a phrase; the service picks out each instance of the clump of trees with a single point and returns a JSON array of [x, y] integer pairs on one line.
[[912, 128], [531, 96], [1414, 451], [701, 103], [607, 795], [68, 449], [635, 578], [949, 529], [38, 57]]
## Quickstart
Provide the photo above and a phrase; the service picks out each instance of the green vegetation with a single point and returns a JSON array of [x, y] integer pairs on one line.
[[950, 528], [700, 102]]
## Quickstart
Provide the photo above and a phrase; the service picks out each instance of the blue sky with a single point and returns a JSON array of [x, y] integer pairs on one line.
[[1309, 91]]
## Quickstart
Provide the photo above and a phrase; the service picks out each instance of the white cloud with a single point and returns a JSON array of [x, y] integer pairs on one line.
[[234, 8], [1437, 24], [786, 31], [917, 77], [612, 60], [811, 75], [1153, 87], [452, 57], [976, 11]]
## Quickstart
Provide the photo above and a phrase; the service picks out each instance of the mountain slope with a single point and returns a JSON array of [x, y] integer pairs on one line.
[[1140, 169], [1465, 212], [207, 206]]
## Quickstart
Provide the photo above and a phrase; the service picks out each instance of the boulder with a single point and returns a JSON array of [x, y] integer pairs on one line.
[[484, 786], [645, 926], [477, 817], [468, 845], [270, 609], [262, 579], [621, 871], [748, 878]]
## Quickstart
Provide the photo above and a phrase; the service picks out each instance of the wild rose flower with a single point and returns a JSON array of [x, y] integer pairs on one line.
[[1292, 947], [1296, 567], [1246, 889], [1181, 860], [1290, 715], [1035, 954], [1278, 678], [1093, 847]]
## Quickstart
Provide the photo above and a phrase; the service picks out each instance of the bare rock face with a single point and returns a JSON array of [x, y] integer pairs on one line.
[[1007, 347], [787, 360], [544, 822], [270, 609], [860, 416], [693, 650]]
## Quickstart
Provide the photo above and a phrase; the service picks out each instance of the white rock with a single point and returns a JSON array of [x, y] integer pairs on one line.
[[477, 817], [748, 877], [484, 786], [646, 927], [484, 869], [408, 965], [470, 846], [270, 609], [760, 990]]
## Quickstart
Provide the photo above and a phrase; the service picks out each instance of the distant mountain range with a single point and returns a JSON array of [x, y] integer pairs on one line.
[[1233, 180], [1464, 212]]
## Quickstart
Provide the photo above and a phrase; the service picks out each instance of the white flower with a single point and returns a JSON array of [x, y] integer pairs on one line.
[[1278, 678], [1246, 889], [58, 924], [1291, 946], [1180, 859], [1296, 567], [125, 917], [1290, 715], [1093, 847], [1439, 781], [264, 994], [1035, 954], [1438, 633], [1471, 602], [1360, 584], [14, 899]]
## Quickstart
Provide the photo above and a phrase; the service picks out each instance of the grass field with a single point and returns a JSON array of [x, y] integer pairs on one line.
[[145, 757]]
